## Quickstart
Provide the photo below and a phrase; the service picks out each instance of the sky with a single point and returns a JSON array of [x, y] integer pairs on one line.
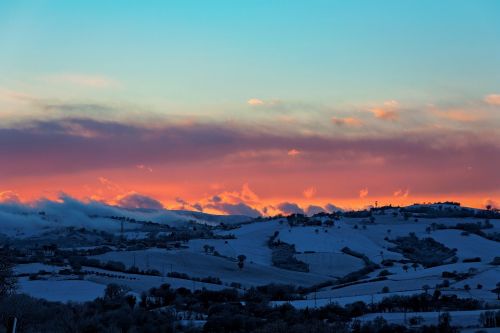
[[250, 107]]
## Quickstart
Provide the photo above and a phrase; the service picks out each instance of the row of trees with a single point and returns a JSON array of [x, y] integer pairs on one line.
[[225, 311]]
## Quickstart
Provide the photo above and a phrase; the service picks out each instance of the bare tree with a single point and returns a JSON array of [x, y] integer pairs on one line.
[[241, 260]]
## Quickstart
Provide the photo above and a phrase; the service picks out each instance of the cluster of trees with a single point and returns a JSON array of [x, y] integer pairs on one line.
[[221, 311], [7, 279], [426, 251], [451, 209], [369, 266], [380, 325], [283, 255], [157, 310], [490, 319], [184, 276], [116, 266]]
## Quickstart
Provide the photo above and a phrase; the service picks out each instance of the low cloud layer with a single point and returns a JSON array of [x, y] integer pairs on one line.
[[136, 200], [288, 208]]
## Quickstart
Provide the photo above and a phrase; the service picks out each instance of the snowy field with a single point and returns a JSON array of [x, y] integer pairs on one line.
[[139, 283], [35, 268], [320, 300], [203, 265], [335, 265], [306, 239], [318, 246], [458, 318], [62, 290], [468, 246]]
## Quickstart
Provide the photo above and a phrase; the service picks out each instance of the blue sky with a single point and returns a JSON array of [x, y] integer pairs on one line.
[[256, 102], [221, 52]]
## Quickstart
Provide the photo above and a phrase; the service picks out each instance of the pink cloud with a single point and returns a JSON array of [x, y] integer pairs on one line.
[[401, 193], [144, 167]]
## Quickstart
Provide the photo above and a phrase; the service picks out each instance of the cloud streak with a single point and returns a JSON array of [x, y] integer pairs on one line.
[[84, 80]]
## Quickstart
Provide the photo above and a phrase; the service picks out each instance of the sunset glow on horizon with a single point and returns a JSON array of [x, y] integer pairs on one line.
[[257, 109]]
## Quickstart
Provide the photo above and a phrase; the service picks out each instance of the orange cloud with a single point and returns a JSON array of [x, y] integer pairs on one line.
[[309, 192], [388, 111], [363, 193], [109, 185], [255, 102], [460, 116], [9, 197], [348, 121], [492, 203], [244, 202], [492, 99], [293, 152]]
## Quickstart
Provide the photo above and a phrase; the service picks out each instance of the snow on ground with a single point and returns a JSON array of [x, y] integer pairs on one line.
[[61, 290], [203, 265], [135, 234], [488, 278], [139, 283], [320, 300], [35, 268], [436, 271], [85, 248], [252, 249], [411, 285], [413, 281], [458, 318], [306, 239], [251, 240], [482, 330], [332, 264], [468, 246], [320, 247]]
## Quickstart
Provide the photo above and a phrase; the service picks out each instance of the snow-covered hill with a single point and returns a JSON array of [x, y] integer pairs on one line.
[[335, 258]]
